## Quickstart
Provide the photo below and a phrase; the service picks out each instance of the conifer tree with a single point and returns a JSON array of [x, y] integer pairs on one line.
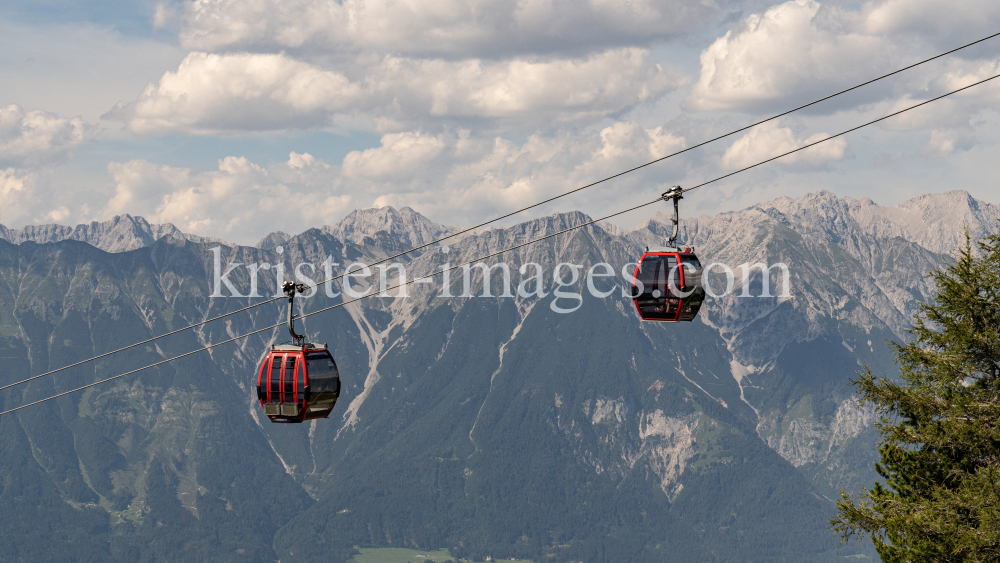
[[940, 426]]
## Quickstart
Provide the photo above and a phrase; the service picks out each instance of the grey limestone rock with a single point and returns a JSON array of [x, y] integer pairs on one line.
[[119, 234]]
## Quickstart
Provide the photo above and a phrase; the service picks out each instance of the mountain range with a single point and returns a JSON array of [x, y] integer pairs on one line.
[[491, 426]]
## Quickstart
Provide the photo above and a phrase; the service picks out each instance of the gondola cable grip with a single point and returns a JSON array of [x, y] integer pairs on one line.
[[290, 289]]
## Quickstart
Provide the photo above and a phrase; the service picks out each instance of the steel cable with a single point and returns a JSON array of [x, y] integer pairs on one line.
[[515, 247], [543, 202]]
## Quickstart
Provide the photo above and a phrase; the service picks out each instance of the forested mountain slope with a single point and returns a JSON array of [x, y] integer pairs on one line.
[[489, 425]]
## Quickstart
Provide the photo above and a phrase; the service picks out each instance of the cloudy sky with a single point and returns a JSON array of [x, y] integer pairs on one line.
[[236, 118]]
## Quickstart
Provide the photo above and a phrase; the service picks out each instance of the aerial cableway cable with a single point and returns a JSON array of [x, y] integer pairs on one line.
[[512, 213], [515, 247], [235, 338]]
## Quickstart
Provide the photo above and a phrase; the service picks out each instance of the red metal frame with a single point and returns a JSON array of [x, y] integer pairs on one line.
[[298, 368], [264, 367], [281, 377], [305, 382]]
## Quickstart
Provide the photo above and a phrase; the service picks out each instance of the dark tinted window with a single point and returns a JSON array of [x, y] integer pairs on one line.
[[289, 379], [321, 365], [647, 271], [690, 263], [692, 304], [692, 271], [262, 381], [654, 273], [323, 374], [275, 378], [659, 309]]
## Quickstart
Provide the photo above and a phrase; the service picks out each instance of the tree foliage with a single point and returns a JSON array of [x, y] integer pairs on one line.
[[940, 426]]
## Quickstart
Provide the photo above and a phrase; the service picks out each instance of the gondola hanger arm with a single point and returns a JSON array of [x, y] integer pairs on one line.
[[290, 289], [675, 193]]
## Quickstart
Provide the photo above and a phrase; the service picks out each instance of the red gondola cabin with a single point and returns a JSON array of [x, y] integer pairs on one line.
[[298, 383], [667, 285]]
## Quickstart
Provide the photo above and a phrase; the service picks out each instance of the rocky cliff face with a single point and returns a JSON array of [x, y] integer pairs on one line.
[[493, 425]]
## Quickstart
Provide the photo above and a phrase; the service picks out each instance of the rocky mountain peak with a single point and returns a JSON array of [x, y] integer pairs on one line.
[[927, 220], [930, 219], [272, 240], [405, 225], [118, 234]]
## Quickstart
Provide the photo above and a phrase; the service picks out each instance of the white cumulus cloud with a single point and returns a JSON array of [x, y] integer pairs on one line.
[[957, 111], [444, 28], [211, 93], [801, 50], [37, 137], [397, 157], [770, 139], [626, 144], [945, 24], [562, 89], [290, 196], [17, 192], [945, 142], [458, 177], [470, 177], [798, 50]]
